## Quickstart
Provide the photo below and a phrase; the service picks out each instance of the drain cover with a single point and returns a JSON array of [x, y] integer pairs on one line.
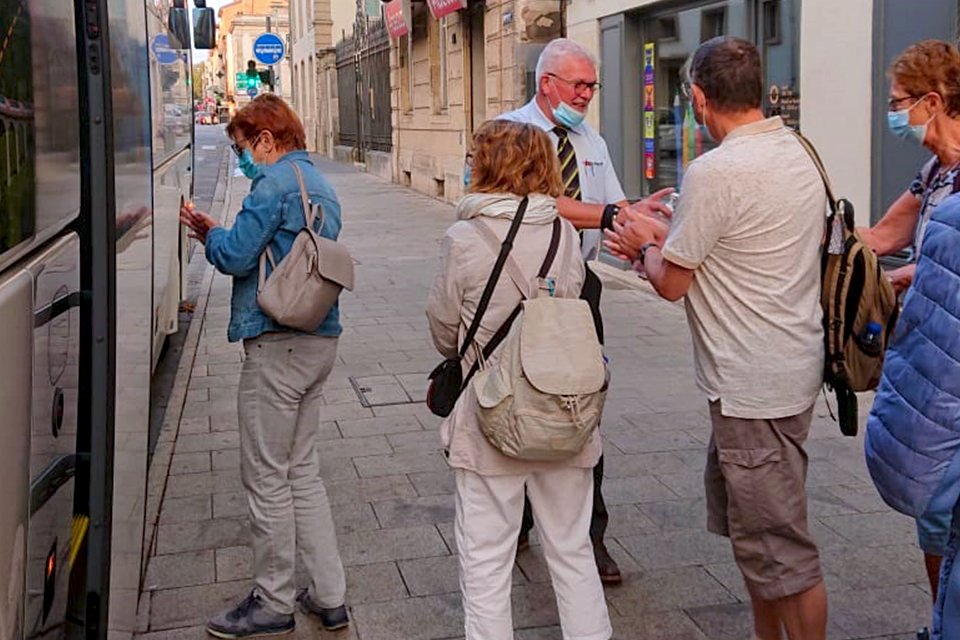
[[378, 391]]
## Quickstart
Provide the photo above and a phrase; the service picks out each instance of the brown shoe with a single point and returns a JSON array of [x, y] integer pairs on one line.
[[607, 566]]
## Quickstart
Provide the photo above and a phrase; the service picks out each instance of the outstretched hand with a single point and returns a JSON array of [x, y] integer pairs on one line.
[[198, 222]]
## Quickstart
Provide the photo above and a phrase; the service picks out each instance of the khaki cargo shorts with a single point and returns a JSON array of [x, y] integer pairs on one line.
[[754, 478]]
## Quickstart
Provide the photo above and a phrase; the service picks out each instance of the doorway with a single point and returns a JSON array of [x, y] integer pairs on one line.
[[478, 66]]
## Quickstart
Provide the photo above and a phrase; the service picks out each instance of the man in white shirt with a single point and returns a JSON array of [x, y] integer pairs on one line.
[[566, 84], [744, 248]]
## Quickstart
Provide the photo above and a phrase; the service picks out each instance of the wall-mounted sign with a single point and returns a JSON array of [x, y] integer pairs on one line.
[[160, 46], [268, 48], [396, 14], [649, 112], [785, 102], [440, 8]]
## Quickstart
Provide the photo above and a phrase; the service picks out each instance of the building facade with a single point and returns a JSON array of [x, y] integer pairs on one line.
[[314, 26], [240, 24], [825, 64], [454, 65]]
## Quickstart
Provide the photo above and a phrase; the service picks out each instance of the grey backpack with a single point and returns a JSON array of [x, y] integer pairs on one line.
[[305, 284]]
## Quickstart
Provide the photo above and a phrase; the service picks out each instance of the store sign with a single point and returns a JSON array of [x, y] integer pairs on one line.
[[440, 8], [396, 14], [785, 102], [649, 113]]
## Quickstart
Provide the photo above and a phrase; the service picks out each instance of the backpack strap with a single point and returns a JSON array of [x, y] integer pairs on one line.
[[818, 163], [505, 247], [310, 214], [504, 329]]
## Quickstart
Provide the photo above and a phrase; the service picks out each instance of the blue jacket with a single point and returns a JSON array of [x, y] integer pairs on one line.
[[913, 432], [272, 214]]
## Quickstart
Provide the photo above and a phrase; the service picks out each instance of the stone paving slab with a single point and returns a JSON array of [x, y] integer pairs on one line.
[[391, 490]]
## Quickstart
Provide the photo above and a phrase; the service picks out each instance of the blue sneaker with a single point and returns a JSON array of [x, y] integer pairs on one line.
[[250, 619], [330, 619]]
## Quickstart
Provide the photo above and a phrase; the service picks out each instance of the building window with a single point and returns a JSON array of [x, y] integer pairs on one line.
[[713, 23]]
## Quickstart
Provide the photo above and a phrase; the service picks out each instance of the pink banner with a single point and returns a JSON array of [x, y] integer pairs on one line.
[[397, 23], [440, 8]]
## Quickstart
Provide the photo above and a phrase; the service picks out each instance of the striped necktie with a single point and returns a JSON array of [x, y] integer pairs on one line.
[[569, 171]]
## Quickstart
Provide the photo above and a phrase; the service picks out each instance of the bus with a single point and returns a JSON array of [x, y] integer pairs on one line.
[[96, 155]]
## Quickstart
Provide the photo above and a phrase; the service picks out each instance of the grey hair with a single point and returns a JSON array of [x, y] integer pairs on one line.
[[559, 49]]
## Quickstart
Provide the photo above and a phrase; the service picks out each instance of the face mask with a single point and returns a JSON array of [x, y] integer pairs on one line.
[[899, 122], [247, 165], [467, 174], [567, 116]]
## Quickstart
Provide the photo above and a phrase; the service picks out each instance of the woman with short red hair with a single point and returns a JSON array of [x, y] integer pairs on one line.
[[280, 384]]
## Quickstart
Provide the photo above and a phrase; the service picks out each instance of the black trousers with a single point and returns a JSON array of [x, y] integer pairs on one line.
[[592, 287]]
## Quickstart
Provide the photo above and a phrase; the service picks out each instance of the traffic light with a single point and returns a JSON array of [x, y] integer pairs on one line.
[[266, 78], [252, 75]]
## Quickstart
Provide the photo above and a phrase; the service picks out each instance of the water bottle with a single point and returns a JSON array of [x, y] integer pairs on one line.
[[870, 338]]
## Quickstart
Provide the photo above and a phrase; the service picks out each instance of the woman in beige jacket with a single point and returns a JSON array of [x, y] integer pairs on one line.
[[510, 161]]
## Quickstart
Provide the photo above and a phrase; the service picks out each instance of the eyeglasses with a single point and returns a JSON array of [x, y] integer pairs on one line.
[[686, 88], [895, 102], [237, 149], [579, 86]]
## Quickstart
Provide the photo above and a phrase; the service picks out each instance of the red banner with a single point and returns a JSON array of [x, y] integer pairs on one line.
[[440, 8], [397, 23]]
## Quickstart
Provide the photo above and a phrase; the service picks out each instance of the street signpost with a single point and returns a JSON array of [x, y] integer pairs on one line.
[[268, 48], [252, 92]]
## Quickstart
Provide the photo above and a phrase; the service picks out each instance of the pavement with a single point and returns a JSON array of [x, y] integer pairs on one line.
[[391, 490]]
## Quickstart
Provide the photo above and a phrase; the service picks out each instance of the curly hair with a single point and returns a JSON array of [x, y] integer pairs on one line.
[[268, 112], [514, 157], [930, 66]]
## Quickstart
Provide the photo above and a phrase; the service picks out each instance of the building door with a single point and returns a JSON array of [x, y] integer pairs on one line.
[[897, 25], [478, 65], [669, 137]]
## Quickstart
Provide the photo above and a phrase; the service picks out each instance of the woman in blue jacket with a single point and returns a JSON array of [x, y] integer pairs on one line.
[[280, 384], [913, 432]]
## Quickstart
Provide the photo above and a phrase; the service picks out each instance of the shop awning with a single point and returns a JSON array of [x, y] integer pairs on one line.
[[397, 13], [440, 8]]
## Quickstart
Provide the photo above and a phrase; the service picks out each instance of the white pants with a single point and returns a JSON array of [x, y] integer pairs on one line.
[[489, 510], [279, 404]]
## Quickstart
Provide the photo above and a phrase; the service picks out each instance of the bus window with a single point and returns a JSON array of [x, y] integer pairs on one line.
[[17, 216]]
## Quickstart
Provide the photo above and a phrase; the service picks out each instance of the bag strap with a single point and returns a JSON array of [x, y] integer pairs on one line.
[[505, 247], [818, 163], [504, 329], [309, 216]]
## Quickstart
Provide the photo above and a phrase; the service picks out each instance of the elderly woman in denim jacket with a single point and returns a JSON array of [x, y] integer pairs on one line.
[[281, 381]]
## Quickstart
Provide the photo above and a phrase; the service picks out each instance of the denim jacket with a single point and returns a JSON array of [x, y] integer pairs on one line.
[[272, 214]]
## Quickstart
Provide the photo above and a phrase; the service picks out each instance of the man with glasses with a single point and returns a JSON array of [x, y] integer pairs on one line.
[[593, 198]]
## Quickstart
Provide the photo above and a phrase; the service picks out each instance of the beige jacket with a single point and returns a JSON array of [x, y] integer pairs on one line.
[[466, 262]]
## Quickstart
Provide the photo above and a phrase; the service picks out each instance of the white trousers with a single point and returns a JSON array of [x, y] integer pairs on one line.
[[279, 404], [489, 510]]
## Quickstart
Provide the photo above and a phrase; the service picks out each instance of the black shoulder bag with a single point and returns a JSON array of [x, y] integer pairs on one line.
[[446, 381]]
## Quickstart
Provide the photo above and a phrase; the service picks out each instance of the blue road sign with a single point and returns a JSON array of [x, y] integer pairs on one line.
[[252, 92], [160, 45], [268, 48]]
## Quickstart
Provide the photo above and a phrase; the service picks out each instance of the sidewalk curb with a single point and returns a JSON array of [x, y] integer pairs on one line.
[[163, 456]]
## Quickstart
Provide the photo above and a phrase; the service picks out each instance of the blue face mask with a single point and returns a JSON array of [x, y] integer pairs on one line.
[[467, 174], [566, 116], [247, 165], [899, 123]]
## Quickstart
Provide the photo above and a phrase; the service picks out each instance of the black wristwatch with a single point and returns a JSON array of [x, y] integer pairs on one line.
[[609, 215], [641, 256]]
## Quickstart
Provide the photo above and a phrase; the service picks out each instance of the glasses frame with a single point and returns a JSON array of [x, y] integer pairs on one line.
[[893, 103], [579, 86]]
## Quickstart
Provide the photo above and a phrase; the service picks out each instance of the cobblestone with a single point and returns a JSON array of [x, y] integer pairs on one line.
[[391, 489]]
